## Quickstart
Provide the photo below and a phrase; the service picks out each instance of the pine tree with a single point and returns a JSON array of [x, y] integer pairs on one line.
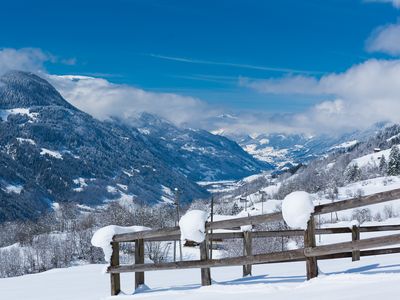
[[383, 165], [394, 162], [353, 173], [235, 209]]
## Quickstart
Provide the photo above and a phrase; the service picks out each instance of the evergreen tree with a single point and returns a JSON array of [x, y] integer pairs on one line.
[[383, 165], [394, 162], [353, 173], [235, 209]]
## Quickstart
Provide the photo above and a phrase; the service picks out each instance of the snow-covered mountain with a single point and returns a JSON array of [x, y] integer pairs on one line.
[[287, 150], [51, 151], [197, 153]]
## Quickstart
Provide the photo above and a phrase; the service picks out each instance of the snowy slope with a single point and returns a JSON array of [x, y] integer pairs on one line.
[[340, 279], [371, 159]]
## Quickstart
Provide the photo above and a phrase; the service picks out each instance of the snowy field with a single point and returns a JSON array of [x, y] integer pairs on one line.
[[368, 279]]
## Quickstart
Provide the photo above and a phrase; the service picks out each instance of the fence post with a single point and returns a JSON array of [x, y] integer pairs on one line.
[[247, 250], [139, 259], [355, 236], [309, 241], [205, 272], [115, 278]]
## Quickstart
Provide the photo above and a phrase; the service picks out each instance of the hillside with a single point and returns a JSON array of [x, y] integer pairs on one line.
[[51, 151], [197, 153]]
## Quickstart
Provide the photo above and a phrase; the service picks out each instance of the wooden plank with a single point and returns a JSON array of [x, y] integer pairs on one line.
[[218, 236], [379, 228], [380, 251], [146, 234], [309, 241], [355, 236], [221, 262], [205, 272], [139, 259], [247, 251], [381, 241], [374, 252], [250, 220], [357, 202], [115, 278]]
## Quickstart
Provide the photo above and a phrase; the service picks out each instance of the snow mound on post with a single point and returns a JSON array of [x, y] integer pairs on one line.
[[102, 238], [297, 208], [192, 226]]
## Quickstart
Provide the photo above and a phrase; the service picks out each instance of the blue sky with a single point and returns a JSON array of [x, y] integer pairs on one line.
[[202, 49]]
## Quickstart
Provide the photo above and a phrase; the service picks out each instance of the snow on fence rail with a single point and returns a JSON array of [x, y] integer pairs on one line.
[[310, 253]]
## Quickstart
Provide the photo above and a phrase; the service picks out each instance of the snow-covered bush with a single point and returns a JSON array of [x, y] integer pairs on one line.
[[157, 251], [362, 215]]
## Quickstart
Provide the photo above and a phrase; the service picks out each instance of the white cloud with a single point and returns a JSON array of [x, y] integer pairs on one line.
[[103, 99], [362, 95], [27, 59], [289, 84], [385, 39]]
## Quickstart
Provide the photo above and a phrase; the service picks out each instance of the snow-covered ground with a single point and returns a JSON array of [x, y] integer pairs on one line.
[[366, 187], [368, 279]]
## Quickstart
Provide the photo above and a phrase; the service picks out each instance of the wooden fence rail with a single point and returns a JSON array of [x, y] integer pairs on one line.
[[310, 253], [303, 253], [220, 236]]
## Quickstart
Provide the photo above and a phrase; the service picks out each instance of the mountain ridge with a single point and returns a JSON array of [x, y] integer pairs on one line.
[[51, 151]]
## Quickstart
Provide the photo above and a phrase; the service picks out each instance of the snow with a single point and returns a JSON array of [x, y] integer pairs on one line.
[[393, 137], [51, 153], [144, 131], [123, 186], [371, 159], [370, 278], [297, 208], [292, 245], [129, 174], [82, 184], [245, 228], [345, 145], [268, 153], [4, 113], [29, 141], [103, 237], [126, 200], [192, 225], [11, 188], [111, 189], [168, 195]]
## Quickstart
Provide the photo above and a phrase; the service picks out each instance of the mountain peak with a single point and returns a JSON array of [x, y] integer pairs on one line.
[[149, 120], [19, 89]]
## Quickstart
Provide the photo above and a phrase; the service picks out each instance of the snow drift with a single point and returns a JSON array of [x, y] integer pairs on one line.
[[297, 208], [103, 237], [192, 226]]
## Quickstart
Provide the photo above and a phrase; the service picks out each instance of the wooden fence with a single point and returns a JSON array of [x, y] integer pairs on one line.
[[310, 253]]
